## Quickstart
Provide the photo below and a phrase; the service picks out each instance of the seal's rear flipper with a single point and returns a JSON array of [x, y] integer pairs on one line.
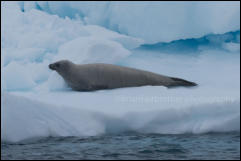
[[181, 82]]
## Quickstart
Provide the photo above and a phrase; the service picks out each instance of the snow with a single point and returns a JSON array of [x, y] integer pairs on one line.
[[92, 49], [17, 77], [152, 21], [89, 114], [232, 47], [43, 120], [36, 102]]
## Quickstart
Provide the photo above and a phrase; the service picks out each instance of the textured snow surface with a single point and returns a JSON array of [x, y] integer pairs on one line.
[[151, 21]]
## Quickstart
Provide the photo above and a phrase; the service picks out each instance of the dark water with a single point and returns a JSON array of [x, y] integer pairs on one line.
[[128, 146]]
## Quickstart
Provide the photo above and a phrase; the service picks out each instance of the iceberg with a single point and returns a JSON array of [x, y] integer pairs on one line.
[[36, 102], [152, 21]]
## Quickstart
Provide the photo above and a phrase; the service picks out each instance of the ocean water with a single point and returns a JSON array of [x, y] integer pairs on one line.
[[129, 145]]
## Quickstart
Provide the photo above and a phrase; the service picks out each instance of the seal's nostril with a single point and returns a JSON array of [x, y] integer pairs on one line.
[[51, 66]]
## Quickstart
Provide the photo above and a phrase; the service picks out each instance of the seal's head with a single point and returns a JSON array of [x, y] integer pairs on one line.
[[61, 67]]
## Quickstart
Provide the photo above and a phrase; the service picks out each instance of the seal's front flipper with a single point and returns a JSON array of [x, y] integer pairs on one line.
[[180, 82]]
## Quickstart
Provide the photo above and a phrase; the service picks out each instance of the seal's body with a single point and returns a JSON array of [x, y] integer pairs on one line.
[[89, 77]]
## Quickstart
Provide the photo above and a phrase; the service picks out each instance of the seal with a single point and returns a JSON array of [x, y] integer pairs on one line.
[[90, 77]]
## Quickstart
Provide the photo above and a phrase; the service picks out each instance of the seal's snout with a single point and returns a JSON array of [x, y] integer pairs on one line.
[[51, 66]]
